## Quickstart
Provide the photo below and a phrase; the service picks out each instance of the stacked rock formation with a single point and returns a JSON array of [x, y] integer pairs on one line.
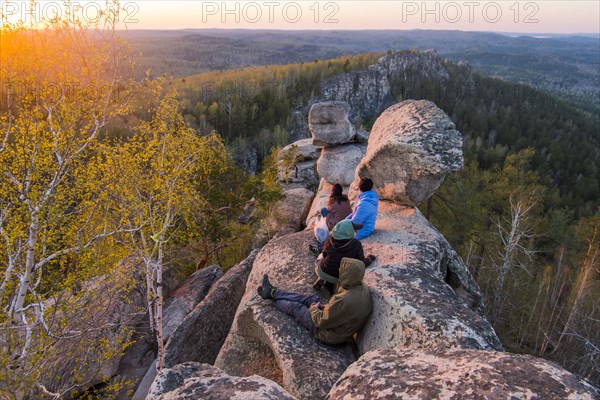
[[427, 336], [343, 147]]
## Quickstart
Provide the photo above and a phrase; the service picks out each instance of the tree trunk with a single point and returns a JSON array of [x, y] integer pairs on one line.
[[588, 266], [159, 311], [24, 282]]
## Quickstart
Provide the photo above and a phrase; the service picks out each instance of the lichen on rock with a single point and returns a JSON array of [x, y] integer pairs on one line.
[[457, 374], [191, 380]]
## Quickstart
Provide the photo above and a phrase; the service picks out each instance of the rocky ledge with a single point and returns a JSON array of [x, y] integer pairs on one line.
[[457, 374]]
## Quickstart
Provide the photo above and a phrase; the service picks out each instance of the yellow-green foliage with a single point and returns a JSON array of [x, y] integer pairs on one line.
[[71, 201]]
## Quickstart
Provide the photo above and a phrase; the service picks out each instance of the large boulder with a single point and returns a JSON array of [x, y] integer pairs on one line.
[[423, 295], [200, 336], [457, 374], [338, 164], [267, 342], [291, 212], [191, 381], [328, 123], [412, 147], [183, 300], [302, 150]]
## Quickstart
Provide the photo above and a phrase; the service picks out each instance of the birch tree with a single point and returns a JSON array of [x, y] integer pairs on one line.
[[154, 173], [515, 235], [60, 91]]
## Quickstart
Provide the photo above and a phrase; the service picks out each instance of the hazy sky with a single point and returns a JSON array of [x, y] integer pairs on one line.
[[546, 16]]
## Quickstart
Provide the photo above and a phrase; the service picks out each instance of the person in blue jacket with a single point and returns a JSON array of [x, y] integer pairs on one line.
[[365, 211]]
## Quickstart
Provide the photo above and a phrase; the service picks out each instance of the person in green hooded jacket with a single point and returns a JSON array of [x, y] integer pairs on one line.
[[341, 317], [340, 244]]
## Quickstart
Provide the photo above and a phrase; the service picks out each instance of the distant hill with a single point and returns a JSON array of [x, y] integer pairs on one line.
[[566, 66], [258, 107]]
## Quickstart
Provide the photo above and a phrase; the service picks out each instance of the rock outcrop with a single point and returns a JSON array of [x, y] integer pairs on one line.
[[183, 300], [267, 342], [414, 305], [191, 381], [427, 336], [328, 122], [341, 152], [369, 91], [337, 164], [412, 147], [459, 373], [202, 333], [291, 212]]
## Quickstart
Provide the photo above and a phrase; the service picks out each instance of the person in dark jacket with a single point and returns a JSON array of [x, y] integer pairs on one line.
[[365, 211], [338, 207], [340, 244], [337, 321]]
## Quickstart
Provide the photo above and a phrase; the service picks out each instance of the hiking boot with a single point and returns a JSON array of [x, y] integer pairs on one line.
[[318, 285], [266, 290]]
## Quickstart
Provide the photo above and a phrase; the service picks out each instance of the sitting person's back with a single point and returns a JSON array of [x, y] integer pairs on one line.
[[365, 211], [348, 310], [338, 207], [341, 244]]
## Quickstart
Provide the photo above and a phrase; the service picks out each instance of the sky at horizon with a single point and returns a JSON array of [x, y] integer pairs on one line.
[[546, 16]]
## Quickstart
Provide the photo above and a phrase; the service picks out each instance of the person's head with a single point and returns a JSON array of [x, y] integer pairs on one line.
[[337, 190], [344, 230], [352, 272], [365, 184], [337, 194]]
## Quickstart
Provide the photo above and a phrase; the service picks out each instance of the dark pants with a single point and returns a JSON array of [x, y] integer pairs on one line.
[[296, 305]]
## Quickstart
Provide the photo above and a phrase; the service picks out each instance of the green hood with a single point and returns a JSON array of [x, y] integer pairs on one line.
[[343, 230], [352, 272]]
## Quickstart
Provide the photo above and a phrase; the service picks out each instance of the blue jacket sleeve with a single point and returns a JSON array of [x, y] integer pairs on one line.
[[360, 213]]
